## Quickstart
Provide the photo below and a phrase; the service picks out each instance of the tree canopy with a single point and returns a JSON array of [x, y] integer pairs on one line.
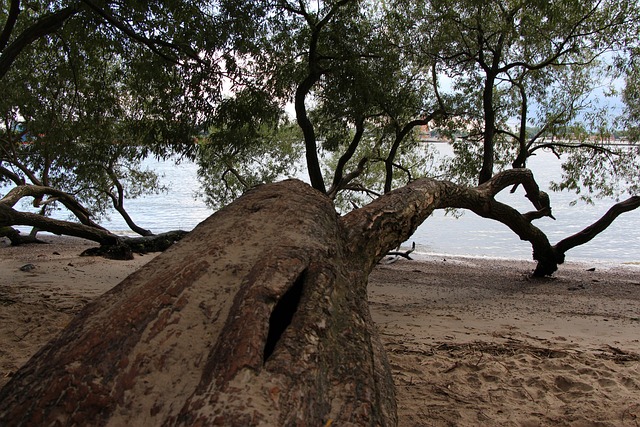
[[100, 87], [347, 88]]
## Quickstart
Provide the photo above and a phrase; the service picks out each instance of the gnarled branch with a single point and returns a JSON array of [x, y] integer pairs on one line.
[[599, 226]]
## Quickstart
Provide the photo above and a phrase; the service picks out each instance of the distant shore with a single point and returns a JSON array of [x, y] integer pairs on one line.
[[471, 341]]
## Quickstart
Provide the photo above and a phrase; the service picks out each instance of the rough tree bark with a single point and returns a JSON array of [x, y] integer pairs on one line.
[[258, 317]]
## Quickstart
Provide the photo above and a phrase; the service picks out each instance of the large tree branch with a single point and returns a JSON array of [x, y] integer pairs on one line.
[[10, 23], [390, 220], [112, 246], [599, 226], [308, 131], [45, 25], [382, 225], [118, 203], [14, 177], [10, 217], [304, 88], [401, 134], [38, 192]]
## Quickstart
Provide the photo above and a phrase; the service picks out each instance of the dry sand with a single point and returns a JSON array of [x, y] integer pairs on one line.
[[472, 342], [476, 342]]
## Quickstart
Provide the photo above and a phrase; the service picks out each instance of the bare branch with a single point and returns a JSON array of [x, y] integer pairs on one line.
[[599, 226]]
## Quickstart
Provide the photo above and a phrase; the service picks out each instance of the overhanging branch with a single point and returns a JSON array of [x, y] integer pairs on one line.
[[48, 24], [599, 226]]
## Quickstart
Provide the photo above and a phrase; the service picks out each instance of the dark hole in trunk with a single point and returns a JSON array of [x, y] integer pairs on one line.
[[282, 315]]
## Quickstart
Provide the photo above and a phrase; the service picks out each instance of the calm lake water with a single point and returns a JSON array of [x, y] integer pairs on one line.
[[440, 234]]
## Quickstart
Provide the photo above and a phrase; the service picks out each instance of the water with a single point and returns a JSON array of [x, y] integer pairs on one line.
[[440, 234], [177, 209], [476, 236]]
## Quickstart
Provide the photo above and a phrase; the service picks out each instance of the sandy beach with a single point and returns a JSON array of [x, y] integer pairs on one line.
[[472, 342]]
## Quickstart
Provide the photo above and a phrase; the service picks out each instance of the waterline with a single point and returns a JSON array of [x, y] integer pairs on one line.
[[442, 234]]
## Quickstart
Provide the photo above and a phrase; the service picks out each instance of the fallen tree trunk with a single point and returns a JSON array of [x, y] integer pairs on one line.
[[257, 317]]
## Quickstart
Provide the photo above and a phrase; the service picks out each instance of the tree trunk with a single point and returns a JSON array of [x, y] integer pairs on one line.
[[488, 135], [257, 317]]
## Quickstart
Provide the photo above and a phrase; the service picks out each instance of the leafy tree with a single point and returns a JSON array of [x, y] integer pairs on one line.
[[364, 77], [631, 95], [528, 58], [358, 95], [95, 93], [250, 143]]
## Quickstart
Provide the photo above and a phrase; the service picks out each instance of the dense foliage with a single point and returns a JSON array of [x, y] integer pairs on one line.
[[109, 84], [92, 87]]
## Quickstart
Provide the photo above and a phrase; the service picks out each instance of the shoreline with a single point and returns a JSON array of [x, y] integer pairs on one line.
[[571, 262], [471, 341], [420, 251]]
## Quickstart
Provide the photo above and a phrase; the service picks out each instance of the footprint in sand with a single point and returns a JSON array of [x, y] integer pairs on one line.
[[607, 383], [630, 384], [567, 384]]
